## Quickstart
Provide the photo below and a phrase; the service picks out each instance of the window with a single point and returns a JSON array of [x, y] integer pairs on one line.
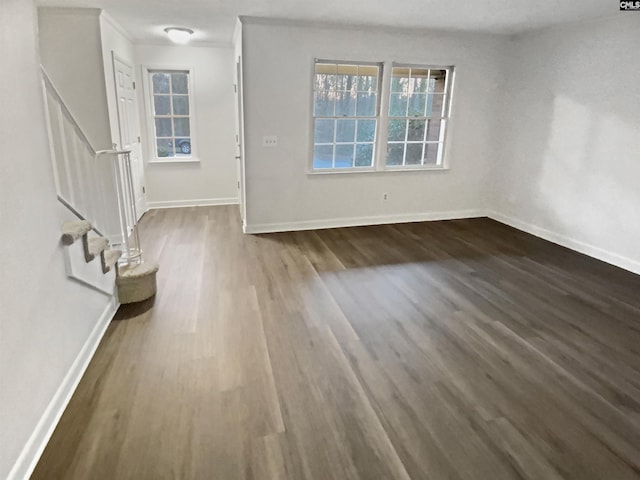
[[171, 111], [417, 116], [352, 132], [345, 115]]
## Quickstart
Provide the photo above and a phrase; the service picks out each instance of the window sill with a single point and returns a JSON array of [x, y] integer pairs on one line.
[[417, 168], [337, 171], [158, 161], [373, 170]]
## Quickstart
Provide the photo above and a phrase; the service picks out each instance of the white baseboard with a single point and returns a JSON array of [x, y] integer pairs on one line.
[[361, 221], [568, 242], [28, 458], [198, 202]]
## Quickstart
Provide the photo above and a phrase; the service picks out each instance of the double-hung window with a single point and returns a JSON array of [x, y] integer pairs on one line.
[[351, 131], [417, 116], [345, 115], [171, 113]]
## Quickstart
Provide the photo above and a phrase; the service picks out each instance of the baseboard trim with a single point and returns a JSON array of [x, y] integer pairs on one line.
[[568, 242], [28, 458], [360, 221], [199, 202]]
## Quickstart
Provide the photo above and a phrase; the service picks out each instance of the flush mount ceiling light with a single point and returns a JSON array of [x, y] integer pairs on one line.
[[179, 35]]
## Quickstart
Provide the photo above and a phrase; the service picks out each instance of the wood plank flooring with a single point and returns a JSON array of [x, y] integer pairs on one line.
[[445, 350]]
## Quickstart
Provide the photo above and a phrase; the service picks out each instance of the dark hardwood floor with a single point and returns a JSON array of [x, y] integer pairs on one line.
[[443, 350]]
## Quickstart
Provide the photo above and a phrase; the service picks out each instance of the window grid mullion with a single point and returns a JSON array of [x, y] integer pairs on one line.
[[173, 133], [424, 137], [409, 92], [355, 107], [427, 93], [335, 139], [408, 120]]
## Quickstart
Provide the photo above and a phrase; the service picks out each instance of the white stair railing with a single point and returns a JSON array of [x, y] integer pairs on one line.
[[129, 238], [83, 180]]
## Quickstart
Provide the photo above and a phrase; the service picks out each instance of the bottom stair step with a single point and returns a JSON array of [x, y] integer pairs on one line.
[[137, 282]]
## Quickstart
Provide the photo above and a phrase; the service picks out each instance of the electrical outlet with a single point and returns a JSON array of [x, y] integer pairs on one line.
[[270, 141], [385, 197]]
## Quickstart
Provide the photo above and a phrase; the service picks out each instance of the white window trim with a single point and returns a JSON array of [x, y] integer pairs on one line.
[[151, 136], [380, 149]]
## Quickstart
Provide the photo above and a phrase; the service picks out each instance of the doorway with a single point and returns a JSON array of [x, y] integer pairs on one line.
[[129, 128]]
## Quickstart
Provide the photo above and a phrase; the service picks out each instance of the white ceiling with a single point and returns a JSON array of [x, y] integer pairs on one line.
[[213, 20]]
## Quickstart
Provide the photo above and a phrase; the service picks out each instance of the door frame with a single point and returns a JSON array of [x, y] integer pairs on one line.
[[240, 150], [117, 58]]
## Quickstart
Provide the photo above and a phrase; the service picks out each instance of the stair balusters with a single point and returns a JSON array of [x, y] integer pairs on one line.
[[129, 241]]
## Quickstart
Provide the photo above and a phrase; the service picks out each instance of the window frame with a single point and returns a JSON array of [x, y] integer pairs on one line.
[[376, 117], [383, 118], [446, 116], [147, 71]]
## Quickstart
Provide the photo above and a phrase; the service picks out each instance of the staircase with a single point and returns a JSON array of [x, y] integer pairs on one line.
[[96, 187]]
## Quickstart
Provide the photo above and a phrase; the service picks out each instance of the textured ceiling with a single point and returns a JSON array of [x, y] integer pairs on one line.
[[213, 20]]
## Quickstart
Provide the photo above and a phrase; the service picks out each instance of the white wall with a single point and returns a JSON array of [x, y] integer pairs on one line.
[[213, 179], [278, 66], [45, 319], [71, 53], [569, 167]]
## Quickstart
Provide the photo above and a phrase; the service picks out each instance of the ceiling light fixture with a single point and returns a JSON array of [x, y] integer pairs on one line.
[[179, 35]]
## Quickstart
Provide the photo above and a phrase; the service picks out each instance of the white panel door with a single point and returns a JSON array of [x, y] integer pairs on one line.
[[129, 128]]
